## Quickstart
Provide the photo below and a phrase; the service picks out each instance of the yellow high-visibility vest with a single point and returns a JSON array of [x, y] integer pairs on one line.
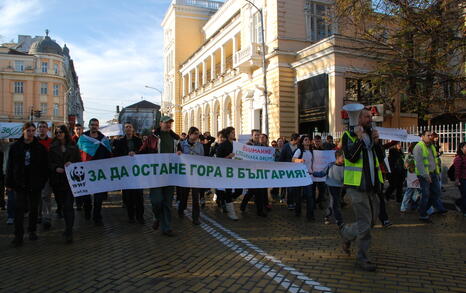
[[353, 171], [425, 158]]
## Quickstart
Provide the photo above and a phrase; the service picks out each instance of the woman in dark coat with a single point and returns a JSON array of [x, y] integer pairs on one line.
[[63, 152]]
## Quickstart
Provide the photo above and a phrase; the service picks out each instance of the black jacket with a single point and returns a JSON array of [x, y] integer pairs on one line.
[[17, 177], [224, 149], [57, 159], [121, 146], [286, 153]]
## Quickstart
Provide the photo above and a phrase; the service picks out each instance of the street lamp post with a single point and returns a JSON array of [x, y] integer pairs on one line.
[[154, 88], [264, 69]]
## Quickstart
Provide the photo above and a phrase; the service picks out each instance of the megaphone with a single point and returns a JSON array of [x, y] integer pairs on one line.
[[353, 111]]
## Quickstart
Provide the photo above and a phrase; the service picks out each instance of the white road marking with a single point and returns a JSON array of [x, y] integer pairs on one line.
[[250, 258]]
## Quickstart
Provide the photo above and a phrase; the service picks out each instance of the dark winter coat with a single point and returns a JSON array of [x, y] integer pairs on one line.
[[121, 146], [57, 159], [16, 176]]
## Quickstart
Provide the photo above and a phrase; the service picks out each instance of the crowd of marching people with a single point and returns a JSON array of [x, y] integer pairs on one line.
[[35, 169]]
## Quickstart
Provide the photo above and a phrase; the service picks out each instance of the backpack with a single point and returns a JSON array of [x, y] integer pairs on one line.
[[451, 173]]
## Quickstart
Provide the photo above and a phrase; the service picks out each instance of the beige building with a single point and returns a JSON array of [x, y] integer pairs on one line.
[[37, 78], [213, 67]]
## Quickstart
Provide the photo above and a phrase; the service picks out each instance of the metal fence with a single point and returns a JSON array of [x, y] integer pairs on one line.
[[450, 136]]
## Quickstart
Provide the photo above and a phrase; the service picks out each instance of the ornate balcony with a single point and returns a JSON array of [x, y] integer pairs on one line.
[[248, 58]]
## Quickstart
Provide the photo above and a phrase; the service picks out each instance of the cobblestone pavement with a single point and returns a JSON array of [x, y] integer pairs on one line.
[[274, 254]]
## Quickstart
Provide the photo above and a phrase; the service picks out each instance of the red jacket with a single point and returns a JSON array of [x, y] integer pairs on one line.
[[460, 167], [46, 142], [150, 145]]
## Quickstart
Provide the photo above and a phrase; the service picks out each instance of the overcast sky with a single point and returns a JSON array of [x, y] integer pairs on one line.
[[116, 45]]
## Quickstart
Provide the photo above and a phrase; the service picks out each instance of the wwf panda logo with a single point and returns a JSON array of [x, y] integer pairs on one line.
[[77, 174]]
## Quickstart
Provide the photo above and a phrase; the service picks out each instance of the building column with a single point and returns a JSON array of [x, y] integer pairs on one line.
[[234, 46], [336, 90], [204, 73], [212, 66], [222, 60], [196, 78], [190, 88], [183, 85]]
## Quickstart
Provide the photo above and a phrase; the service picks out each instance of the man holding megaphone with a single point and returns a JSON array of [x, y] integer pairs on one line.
[[363, 180]]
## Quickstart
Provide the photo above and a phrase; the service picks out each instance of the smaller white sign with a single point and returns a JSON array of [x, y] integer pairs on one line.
[[321, 160], [10, 130], [112, 130], [253, 153]]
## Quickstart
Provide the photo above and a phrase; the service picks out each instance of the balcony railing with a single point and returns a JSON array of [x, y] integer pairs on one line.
[[248, 58], [200, 3]]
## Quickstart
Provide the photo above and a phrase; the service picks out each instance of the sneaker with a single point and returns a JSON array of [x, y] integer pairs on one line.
[[10, 221], [156, 225], [33, 236], [386, 223], [168, 233], [180, 213], [366, 266], [17, 242], [346, 247], [326, 221], [291, 207], [69, 238], [47, 225]]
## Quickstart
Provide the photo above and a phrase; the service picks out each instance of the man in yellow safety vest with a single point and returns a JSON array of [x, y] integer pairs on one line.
[[428, 171], [363, 180]]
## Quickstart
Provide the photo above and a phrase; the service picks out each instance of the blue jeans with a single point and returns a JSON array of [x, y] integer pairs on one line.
[[161, 200], [407, 197], [335, 192], [11, 204], [462, 201], [430, 196]]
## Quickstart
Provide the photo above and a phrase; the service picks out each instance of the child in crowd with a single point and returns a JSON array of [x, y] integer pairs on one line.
[[413, 190], [335, 184]]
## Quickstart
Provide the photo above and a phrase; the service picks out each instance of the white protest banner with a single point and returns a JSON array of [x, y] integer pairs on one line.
[[413, 138], [10, 130], [392, 133], [253, 153], [321, 159], [112, 130], [157, 170]]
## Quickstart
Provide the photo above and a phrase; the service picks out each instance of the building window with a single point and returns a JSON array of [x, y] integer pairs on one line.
[[45, 67], [55, 68], [55, 110], [19, 66], [43, 88], [19, 87], [43, 108], [317, 20], [56, 88], [256, 28], [18, 108]]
